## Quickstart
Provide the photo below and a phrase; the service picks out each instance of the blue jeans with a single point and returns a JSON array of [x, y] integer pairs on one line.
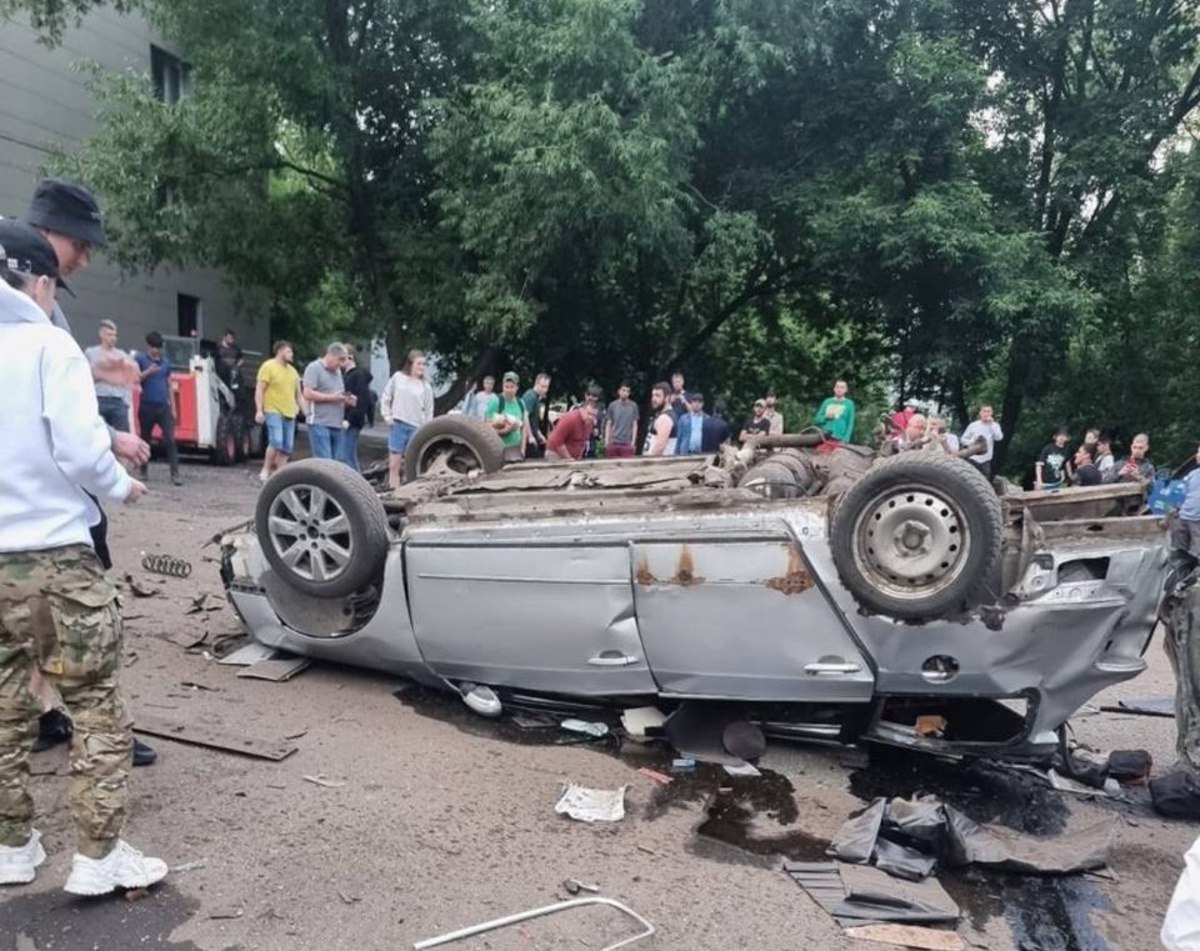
[[325, 441], [281, 433], [349, 453]]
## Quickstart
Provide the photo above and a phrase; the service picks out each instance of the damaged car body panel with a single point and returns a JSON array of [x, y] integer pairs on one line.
[[671, 579]]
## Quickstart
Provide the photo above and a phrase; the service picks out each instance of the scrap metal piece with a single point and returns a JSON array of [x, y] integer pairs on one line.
[[167, 565], [471, 931]]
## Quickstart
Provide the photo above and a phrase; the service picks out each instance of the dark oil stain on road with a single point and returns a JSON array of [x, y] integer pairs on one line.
[[56, 921]]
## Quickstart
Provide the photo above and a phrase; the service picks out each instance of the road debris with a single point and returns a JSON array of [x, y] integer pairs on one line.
[[855, 894], [320, 780], [198, 734], [584, 726], [167, 565], [643, 723], [1146, 707], [909, 936], [591, 805], [574, 886], [189, 866], [136, 894], [922, 828], [140, 590], [349, 899], [251, 653], [683, 764], [226, 913], [201, 605], [469, 932], [653, 774], [741, 769], [277, 670], [482, 699]]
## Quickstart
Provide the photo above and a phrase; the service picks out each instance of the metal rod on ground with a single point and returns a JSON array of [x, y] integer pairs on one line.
[[538, 913]]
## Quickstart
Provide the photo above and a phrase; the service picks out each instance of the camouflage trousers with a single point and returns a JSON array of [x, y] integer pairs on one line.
[[1182, 643], [59, 614]]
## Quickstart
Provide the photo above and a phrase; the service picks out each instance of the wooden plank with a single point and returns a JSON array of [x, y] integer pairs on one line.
[[909, 936], [199, 734]]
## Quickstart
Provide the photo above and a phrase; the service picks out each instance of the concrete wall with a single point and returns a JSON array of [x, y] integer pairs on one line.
[[43, 103]]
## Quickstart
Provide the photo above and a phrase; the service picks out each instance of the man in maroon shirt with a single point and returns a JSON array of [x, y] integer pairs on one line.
[[571, 433]]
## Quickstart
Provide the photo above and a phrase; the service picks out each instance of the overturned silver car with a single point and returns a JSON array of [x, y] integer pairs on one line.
[[833, 592]]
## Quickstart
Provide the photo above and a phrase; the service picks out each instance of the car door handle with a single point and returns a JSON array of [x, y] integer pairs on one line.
[[613, 659], [826, 668]]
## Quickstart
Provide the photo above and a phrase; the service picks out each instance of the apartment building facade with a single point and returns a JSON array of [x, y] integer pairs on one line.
[[46, 104]]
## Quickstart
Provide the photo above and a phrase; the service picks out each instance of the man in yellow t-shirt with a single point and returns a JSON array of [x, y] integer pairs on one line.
[[277, 400]]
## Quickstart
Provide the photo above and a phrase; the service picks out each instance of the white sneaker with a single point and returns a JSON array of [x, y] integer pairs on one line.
[[123, 867], [18, 863]]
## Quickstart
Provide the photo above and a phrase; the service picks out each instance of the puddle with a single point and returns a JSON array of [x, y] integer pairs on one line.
[[1044, 914]]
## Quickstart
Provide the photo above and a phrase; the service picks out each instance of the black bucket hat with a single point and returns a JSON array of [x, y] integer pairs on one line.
[[67, 209]]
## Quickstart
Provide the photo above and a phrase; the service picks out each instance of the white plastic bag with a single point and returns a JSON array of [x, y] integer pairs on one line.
[[1181, 928]]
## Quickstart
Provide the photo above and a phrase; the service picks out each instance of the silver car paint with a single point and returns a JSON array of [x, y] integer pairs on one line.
[[738, 601]]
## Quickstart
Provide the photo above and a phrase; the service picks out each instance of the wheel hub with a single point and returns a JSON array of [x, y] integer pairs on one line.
[[310, 532], [910, 542]]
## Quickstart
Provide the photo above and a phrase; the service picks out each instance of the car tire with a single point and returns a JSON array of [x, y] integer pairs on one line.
[[918, 537], [457, 443], [322, 527], [225, 449]]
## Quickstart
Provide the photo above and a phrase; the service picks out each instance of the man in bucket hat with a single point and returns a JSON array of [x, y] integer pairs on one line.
[[68, 217], [59, 613]]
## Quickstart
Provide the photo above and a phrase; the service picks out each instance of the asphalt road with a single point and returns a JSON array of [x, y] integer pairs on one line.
[[428, 819]]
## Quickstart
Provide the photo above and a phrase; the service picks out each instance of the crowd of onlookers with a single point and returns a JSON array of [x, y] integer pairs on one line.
[[335, 395]]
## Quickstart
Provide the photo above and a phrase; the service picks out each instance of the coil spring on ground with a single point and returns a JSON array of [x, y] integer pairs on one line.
[[167, 565]]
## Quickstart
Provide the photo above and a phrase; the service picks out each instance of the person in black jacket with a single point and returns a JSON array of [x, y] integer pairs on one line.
[[358, 382]]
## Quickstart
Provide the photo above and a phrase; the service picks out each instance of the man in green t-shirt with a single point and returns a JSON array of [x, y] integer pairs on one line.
[[508, 417], [835, 416]]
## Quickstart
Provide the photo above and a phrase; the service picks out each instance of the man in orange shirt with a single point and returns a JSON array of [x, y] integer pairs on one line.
[[570, 435]]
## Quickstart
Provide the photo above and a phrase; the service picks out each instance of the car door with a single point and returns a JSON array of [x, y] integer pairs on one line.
[[743, 618], [554, 617]]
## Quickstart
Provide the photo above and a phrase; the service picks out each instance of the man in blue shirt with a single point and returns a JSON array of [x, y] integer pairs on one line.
[[1185, 534], [698, 432], [155, 409]]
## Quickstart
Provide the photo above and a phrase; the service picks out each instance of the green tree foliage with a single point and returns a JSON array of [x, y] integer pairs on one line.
[[953, 200]]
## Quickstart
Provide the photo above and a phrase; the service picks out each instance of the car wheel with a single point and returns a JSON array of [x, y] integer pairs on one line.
[[451, 444], [918, 536], [322, 527]]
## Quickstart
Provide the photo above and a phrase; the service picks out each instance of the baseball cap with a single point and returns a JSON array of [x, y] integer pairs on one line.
[[693, 396], [25, 250], [68, 209], [511, 377], [760, 402]]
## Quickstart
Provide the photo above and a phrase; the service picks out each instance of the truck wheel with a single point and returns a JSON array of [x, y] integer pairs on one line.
[[453, 444], [225, 450], [918, 536], [321, 527]]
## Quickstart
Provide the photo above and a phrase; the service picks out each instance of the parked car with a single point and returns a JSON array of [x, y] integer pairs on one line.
[[831, 591]]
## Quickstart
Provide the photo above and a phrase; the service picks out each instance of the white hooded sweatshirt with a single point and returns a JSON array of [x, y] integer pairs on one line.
[[53, 443]]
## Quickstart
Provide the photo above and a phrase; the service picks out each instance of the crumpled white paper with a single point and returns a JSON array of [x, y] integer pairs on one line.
[[591, 805]]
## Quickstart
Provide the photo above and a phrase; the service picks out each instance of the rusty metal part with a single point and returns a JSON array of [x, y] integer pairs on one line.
[[648, 929], [805, 440], [167, 565]]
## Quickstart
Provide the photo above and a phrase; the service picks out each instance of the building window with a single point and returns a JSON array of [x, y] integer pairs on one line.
[[172, 76], [187, 308]]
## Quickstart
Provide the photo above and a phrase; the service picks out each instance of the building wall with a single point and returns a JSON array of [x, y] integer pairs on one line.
[[45, 103]]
